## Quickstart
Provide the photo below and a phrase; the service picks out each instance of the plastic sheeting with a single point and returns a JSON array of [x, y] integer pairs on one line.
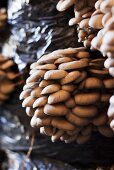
[[19, 161], [38, 28]]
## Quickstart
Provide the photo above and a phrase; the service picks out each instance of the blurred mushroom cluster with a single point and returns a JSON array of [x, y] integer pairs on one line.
[[3, 18], [10, 78]]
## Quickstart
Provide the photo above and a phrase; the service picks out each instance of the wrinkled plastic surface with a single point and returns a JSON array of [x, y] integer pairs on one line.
[[15, 161], [19, 161], [12, 133], [50, 164], [38, 28]]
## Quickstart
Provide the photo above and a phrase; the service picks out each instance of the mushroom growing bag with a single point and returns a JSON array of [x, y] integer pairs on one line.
[[37, 29]]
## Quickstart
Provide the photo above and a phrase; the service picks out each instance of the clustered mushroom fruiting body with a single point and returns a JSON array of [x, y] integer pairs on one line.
[[9, 78], [89, 22], [95, 30], [67, 95], [96, 24], [3, 18], [104, 39], [87, 18], [65, 4], [104, 42]]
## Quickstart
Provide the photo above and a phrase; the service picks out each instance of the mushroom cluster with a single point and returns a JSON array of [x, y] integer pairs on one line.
[[9, 78], [102, 42], [92, 18], [67, 95], [95, 26], [3, 18], [88, 18], [65, 4], [105, 43], [89, 22]]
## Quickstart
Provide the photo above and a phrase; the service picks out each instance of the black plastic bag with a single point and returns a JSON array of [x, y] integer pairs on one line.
[[18, 161], [3, 3], [38, 28]]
